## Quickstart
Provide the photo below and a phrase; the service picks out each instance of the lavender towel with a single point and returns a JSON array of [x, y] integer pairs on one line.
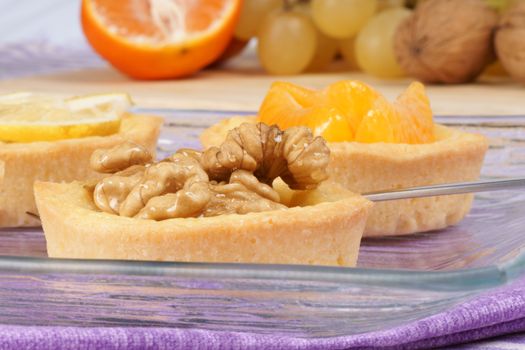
[[497, 312]]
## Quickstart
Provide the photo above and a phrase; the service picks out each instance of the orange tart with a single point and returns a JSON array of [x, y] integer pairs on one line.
[[377, 145]]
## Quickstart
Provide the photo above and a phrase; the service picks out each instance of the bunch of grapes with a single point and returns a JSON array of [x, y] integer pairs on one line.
[[295, 36]]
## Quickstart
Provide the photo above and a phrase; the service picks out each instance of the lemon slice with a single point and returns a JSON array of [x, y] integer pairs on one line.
[[16, 97], [30, 117]]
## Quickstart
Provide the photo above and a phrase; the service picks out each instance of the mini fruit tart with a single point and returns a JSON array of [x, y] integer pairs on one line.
[[43, 138], [258, 197], [379, 146]]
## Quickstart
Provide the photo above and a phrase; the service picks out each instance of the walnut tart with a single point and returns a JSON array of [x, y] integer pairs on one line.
[[260, 196]]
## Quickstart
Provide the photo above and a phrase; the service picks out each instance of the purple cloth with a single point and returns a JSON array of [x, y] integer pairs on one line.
[[497, 312]]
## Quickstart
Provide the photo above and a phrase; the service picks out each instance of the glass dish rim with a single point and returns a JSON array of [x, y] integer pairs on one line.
[[463, 279]]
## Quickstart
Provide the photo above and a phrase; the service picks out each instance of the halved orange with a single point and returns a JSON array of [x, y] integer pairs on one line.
[[157, 39]]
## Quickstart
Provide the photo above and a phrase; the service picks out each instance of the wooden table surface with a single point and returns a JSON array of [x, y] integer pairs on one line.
[[241, 85]]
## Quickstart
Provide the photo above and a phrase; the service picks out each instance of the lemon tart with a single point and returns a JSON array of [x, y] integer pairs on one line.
[[63, 154]]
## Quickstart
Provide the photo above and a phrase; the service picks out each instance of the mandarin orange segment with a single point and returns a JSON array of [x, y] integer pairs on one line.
[[353, 99], [407, 120], [298, 96], [153, 39], [325, 121], [303, 96], [416, 115], [380, 124], [351, 111], [286, 105]]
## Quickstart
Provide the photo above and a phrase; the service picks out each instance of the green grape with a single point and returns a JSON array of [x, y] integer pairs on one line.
[[386, 4], [324, 52], [374, 44], [326, 48], [347, 50], [342, 18], [286, 42], [252, 14]]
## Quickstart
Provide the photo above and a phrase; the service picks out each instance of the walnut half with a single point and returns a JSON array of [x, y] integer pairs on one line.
[[243, 194], [294, 155], [119, 157], [235, 178]]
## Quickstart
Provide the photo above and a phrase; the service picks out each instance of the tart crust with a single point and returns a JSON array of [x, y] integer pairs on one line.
[[21, 164], [455, 156], [327, 233]]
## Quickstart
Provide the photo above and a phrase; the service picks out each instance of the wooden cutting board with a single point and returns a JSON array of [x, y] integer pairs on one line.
[[242, 85]]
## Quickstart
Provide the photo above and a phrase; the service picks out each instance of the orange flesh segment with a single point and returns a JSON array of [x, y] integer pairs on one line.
[[351, 111], [133, 19]]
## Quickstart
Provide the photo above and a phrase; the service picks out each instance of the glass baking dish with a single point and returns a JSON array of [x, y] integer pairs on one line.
[[398, 279]]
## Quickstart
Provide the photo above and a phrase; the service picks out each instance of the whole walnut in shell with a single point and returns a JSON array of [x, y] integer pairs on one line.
[[446, 41], [510, 41]]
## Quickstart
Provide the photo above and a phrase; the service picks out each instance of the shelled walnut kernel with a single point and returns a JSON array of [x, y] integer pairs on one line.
[[234, 178]]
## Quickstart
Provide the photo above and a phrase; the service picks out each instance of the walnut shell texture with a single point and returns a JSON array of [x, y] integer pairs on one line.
[[446, 41], [510, 41]]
